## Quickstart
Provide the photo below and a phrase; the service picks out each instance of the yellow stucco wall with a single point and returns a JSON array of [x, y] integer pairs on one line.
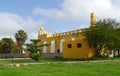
[[74, 52], [70, 37], [84, 52]]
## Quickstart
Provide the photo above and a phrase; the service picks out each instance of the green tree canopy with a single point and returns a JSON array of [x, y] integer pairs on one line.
[[21, 37], [34, 49], [7, 45], [105, 34]]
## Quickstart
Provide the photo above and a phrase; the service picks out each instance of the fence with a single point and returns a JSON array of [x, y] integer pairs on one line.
[[14, 55], [26, 55]]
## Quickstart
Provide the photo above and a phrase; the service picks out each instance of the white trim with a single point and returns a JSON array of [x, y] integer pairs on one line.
[[61, 45], [44, 48], [52, 47]]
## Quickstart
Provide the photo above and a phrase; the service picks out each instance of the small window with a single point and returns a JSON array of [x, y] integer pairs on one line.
[[69, 46], [79, 45]]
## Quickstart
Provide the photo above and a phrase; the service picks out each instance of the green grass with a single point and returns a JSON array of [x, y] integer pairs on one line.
[[87, 68], [57, 59]]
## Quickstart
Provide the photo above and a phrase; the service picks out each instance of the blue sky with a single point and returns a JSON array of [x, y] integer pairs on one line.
[[53, 15], [25, 7]]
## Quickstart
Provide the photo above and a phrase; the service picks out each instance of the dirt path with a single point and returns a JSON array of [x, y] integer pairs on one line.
[[68, 62]]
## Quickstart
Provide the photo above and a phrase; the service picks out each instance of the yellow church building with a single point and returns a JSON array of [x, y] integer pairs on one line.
[[70, 44]]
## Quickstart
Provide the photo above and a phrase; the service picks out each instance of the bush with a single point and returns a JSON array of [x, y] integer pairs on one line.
[[35, 56]]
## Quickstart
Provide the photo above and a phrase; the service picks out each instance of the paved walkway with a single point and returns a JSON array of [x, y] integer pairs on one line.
[[15, 59], [57, 62], [68, 62]]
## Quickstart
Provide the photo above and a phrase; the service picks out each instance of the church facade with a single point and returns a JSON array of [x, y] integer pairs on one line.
[[70, 44]]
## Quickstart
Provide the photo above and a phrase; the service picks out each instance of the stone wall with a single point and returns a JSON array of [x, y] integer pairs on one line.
[[14, 55], [26, 55], [51, 55]]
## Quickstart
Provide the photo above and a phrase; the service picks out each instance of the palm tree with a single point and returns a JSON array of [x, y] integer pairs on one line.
[[21, 37], [7, 45]]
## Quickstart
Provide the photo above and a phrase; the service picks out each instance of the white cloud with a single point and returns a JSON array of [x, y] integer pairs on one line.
[[80, 10], [11, 23], [33, 35], [73, 10]]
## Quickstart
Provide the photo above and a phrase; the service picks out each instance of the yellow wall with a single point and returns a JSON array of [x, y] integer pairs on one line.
[[84, 52], [74, 52]]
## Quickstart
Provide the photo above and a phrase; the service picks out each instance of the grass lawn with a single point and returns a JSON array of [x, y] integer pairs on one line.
[[87, 68]]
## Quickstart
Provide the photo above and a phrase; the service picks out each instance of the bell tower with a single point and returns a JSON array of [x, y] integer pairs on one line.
[[42, 31], [92, 19]]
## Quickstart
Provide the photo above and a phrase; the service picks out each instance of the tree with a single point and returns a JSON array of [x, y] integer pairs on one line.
[[118, 40], [95, 38], [103, 35], [34, 48], [21, 37], [0, 46], [7, 45], [113, 42]]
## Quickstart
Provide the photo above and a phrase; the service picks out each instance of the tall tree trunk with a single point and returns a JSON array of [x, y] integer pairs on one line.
[[118, 52]]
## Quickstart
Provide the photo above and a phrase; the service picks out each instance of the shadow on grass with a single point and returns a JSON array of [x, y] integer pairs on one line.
[[85, 59]]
